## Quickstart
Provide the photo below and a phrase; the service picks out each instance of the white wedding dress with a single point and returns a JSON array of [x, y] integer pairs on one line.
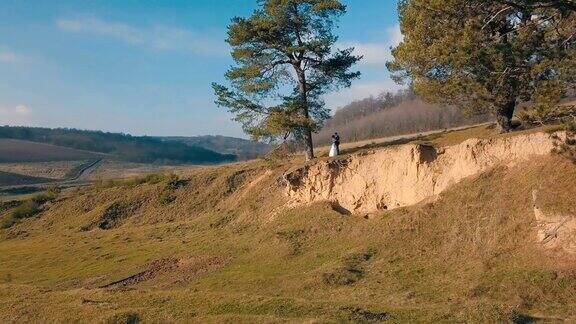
[[333, 150]]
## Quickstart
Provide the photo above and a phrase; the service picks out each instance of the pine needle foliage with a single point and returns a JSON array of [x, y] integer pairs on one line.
[[286, 60], [487, 56]]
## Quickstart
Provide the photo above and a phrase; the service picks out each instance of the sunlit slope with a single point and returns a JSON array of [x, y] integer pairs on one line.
[[218, 244]]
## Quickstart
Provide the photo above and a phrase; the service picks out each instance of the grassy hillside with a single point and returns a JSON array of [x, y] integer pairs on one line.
[[244, 149], [122, 146], [219, 244]]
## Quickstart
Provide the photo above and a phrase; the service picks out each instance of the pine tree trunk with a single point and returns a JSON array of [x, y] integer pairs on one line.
[[504, 116], [307, 132], [309, 144]]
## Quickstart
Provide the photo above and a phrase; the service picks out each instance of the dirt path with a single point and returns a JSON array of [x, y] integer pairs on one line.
[[83, 174]]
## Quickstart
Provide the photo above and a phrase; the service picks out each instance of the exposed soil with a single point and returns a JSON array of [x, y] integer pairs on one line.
[[408, 174], [175, 270], [555, 231], [153, 270]]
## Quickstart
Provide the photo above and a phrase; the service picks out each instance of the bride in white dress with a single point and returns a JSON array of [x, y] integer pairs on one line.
[[334, 149]]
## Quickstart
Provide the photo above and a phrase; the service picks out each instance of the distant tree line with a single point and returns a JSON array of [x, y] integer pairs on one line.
[[141, 149], [390, 114], [242, 148], [369, 106]]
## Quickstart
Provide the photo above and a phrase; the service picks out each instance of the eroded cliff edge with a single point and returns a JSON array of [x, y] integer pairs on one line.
[[408, 174]]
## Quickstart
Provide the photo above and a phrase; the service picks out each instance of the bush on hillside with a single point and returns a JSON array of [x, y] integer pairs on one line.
[[173, 182], [567, 146], [124, 318], [30, 208], [27, 209], [544, 115], [114, 215], [562, 115], [351, 271], [47, 196]]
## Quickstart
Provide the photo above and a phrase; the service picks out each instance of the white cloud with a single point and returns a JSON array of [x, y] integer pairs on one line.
[[7, 56], [17, 115], [22, 110], [358, 91], [119, 31], [159, 38], [396, 36], [373, 53], [376, 53]]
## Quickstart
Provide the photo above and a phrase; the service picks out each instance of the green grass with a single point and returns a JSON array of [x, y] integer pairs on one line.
[[153, 178], [469, 257]]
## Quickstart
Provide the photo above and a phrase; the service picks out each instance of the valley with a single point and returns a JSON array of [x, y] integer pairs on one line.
[[288, 161]]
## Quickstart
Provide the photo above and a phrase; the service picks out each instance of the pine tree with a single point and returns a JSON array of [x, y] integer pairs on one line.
[[487, 56], [285, 61]]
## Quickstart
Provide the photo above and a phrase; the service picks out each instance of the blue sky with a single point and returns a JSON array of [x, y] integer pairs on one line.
[[145, 67]]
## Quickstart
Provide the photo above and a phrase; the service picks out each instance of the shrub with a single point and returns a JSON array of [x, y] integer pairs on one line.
[[351, 271], [567, 146], [166, 197], [26, 210], [545, 115], [5, 206], [173, 182], [30, 208], [47, 196], [153, 178], [124, 318], [359, 315], [113, 215], [7, 221]]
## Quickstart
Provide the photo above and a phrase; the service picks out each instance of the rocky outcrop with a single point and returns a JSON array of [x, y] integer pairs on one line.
[[407, 174]]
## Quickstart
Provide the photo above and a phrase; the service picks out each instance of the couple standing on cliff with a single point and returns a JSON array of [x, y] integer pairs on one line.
[[335, 149]]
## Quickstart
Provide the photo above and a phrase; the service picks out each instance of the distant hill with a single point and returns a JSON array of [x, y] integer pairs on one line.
[[16, 150], [141, 149], [244, 149]]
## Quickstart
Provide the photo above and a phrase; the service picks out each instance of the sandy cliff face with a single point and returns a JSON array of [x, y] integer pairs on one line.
[[408, 174]]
